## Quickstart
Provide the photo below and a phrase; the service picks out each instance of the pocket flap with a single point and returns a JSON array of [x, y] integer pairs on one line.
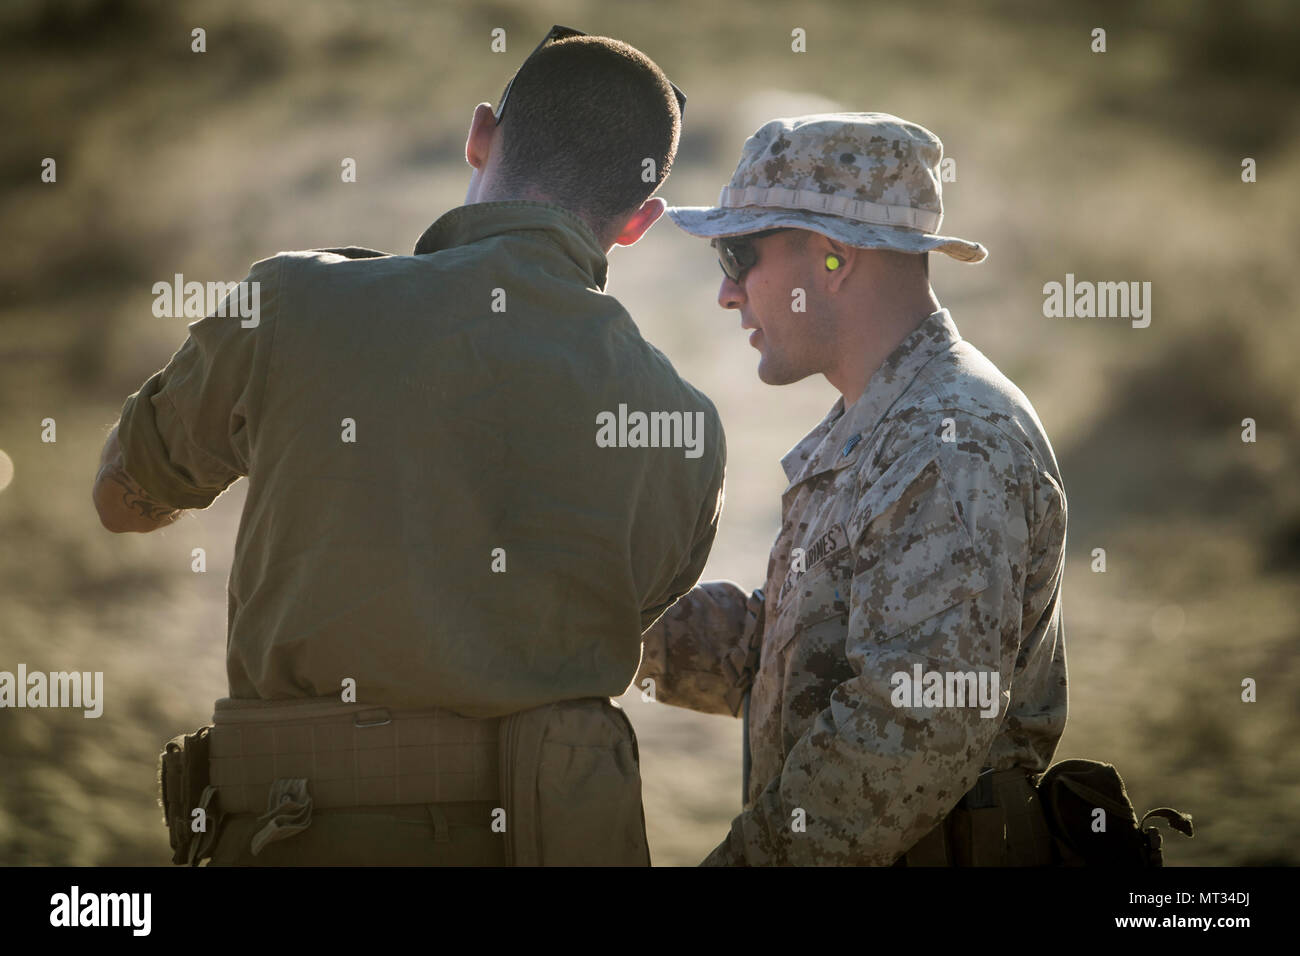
[[820, 594]]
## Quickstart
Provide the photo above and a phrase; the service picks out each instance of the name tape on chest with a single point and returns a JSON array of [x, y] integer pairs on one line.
[[803, 560]]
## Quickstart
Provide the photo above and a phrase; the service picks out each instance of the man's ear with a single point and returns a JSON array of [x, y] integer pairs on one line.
[[636, 225], [482, 128], [845, 255]]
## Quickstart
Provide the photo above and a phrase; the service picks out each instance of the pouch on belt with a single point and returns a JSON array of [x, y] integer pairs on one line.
[[571, 786], [1017, 818], [183, 785]]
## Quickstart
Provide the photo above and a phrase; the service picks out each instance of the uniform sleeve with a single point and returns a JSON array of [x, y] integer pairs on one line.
[[939, 544], [185, 435], [687, 651], [705, 530]]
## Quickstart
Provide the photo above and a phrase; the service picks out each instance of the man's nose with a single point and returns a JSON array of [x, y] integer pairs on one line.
[[731, 295]]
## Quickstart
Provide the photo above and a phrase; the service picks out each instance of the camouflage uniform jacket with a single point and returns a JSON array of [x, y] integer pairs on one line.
[[923, 528]]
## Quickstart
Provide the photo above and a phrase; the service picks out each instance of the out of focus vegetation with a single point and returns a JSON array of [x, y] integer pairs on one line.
[[1117, 166]]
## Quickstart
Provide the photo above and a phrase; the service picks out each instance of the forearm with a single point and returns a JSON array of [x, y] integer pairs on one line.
[[687, 650], [120, 501]]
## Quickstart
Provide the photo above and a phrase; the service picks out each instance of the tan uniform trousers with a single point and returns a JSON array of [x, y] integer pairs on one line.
[[316, 783]]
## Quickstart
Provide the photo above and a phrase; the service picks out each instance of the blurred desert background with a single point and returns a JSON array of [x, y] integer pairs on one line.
[[1117, 166]]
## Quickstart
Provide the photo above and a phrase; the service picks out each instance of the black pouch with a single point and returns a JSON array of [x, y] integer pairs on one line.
[[183, 786], [1072, 791]]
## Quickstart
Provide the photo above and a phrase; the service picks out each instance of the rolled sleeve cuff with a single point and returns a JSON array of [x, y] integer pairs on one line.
[[145, 456]]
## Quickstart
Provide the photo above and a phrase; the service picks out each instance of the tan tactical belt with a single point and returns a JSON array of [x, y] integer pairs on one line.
[[566, 768], [354, 755]]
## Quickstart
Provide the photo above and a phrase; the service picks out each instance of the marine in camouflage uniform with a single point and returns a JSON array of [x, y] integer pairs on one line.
[[924, 525]]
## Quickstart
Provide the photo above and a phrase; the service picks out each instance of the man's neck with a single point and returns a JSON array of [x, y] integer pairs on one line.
[[478, 194], [866, 344]]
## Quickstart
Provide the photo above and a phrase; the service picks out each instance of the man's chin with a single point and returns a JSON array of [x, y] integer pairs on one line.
[[771, 373]]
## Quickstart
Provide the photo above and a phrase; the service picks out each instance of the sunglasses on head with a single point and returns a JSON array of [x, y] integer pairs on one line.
[[736, 254], [562, 33]]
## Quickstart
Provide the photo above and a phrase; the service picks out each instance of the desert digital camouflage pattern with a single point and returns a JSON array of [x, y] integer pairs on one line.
[[871, 180], [915, 549]]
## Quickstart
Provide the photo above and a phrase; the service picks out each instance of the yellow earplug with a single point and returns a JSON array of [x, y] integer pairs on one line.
[[832, 263]]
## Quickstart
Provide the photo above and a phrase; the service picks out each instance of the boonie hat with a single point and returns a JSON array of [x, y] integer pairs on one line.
[[869, 180]]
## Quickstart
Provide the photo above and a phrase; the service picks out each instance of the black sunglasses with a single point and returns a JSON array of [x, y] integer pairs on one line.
[[736, 254], [561, 33]]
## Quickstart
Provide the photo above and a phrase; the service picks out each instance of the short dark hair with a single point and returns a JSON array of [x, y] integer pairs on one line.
[[925, 263], [585, 113]]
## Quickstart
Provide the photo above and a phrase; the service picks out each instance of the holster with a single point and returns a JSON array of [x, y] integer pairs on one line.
[[1092, 820], [999, 822], [1077, 813], [184, 786]]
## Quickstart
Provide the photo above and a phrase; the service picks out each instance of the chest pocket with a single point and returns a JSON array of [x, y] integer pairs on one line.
[[810, 658], [818, 596], [914, 557]]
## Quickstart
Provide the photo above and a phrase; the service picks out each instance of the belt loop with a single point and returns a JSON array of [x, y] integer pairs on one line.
[[441, 829]]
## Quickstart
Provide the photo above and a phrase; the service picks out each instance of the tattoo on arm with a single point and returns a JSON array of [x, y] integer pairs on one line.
[[137, 499]]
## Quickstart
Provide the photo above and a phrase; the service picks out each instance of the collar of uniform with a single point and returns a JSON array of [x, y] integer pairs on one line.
[[835, 441], [470, 223]]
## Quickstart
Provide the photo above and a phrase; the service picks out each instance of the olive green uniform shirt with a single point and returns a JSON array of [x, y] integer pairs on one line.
[[400, 419]]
